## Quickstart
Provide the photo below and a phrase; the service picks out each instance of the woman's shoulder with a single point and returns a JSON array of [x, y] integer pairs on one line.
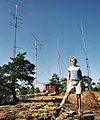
[[74, 67], [79, 67], [70, 67]]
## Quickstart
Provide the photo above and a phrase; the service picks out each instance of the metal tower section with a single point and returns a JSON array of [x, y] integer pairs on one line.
[[36, 45], [14, 52], [58, 58], [85, 52], [84, 48]]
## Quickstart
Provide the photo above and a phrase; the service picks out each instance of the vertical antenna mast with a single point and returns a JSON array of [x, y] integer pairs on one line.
[[15, 31], [58, 58], [36, 61], [37, 44], [85, 52]]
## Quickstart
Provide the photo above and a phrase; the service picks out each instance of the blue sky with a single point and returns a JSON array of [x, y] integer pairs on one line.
[[50, 20]]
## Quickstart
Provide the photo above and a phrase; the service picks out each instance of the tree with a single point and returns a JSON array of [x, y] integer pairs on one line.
[[63, 84], [4, 91], [89, 85], [37, 90], [97, 86], [23, 91], [55, 81], [19, 69], [31, 90]]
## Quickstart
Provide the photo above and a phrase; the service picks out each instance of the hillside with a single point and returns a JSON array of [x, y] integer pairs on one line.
[[42, 108]]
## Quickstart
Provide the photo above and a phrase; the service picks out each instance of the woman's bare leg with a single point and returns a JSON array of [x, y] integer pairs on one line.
[[79, 103], [64, 99]]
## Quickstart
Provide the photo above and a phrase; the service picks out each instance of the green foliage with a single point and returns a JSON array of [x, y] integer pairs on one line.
[[31, 90], [59, 84], [4, 90], [28, 90], [44, 91], [37, 90], [89, 85], [19, 69], [63, 84], [23, 91], [55, 81], [97, 86], [4, 94]]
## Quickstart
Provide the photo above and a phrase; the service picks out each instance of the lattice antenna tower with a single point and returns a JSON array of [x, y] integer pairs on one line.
[[37, 44], [16, 24], [85, 52], [58, 57]]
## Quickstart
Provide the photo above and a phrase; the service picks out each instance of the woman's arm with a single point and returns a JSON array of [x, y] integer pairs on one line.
[[68, 78]]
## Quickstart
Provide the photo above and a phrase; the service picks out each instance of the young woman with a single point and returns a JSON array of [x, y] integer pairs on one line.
[[74, 80]]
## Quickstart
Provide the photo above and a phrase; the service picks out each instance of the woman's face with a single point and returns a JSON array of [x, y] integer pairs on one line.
[[73, 61]]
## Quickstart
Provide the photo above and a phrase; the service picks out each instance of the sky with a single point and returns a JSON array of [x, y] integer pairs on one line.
[[56, 24]]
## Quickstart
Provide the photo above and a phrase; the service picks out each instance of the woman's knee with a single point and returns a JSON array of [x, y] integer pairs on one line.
[[67, 93], [78, 96]]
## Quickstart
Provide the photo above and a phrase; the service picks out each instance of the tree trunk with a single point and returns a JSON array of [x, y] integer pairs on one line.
[[15, 99]]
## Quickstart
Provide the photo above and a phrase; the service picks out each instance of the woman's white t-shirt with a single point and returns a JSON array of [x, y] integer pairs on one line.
[[75, 72]]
